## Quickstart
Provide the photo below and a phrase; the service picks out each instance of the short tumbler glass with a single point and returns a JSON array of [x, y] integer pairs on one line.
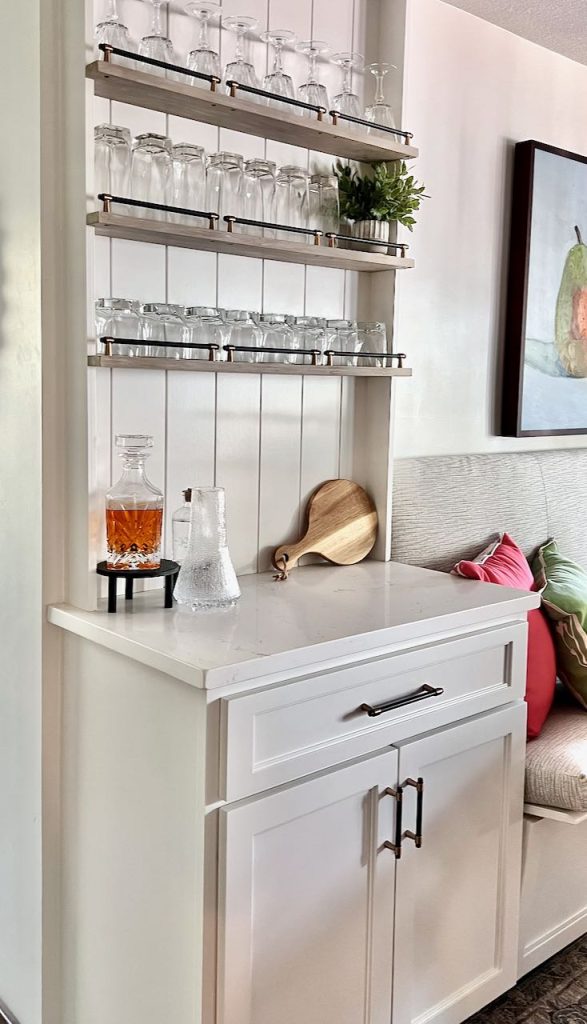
[[112, 156], [151, 172]]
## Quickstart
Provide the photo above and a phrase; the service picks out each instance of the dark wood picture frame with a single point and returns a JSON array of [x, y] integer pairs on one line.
[[517, 289]]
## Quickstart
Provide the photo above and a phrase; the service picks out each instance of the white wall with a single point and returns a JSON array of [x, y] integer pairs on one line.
[[20, 513], [471, 91]]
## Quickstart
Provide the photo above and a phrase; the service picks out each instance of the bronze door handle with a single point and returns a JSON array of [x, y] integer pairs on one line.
[[418, 785], [423, 693], [396, 846]]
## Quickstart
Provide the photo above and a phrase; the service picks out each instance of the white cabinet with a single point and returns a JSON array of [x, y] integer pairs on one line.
[[311, 925], [457, 901], [306, 901]]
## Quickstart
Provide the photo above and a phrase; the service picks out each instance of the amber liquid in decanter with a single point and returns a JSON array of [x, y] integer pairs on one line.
[[134, 537]]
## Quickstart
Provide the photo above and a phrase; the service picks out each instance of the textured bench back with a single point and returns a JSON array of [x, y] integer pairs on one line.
[[449, 507]]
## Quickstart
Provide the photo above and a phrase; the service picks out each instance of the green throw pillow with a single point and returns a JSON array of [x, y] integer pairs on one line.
[[564, 593]]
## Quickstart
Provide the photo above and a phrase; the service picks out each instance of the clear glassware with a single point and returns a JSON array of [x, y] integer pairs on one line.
[[204, 326], [151, 173], [308, 333], [324, 205], [159, 46], [313, 91], [134, 509], [342, 336], [180, 527], [379, 111], [291, 200], [258, 194], [277, 81], [347, 101], [224, 182], [111, 32], [207, 578], [203, 58], [162, 321], [188, 181], [112, 155], [276, 333], [240, 69], [372, 338], [241, 329], [118, 318]]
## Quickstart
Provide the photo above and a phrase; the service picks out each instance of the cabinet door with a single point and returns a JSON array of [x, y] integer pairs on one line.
[[306, 901], [457, 899]]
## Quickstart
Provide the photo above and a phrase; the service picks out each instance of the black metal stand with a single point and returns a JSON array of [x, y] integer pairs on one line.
[[167, 569]]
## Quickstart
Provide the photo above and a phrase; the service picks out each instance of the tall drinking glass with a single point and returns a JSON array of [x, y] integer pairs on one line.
[[342, 336], [277, 81], [276, 333], [241, 329], [112, 156], [118, 318], [150, 177], [204, 326], [259, 194], [373, 338], [324, 203], [189, 181], [240, 68], [203, 58], [162, 321], [224, 185], [313, 91], [380, 112], [291, 200], [347, 101]]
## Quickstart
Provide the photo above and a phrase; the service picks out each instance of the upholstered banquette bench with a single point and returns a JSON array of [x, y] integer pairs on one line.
[[446, 509]]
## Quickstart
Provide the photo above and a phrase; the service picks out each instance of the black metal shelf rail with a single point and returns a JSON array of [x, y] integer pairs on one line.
[[317, 357], [213, 220], [234, 88]]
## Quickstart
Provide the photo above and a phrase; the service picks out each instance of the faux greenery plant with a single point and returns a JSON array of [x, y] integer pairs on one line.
[[389, 193]]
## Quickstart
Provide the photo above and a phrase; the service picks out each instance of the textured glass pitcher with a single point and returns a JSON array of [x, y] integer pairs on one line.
[[207, 578]]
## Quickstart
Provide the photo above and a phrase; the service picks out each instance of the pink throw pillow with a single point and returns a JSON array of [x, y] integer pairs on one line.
[[505, 564]]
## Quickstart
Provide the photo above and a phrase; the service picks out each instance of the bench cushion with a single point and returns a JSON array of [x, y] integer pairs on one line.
[[556, 762]]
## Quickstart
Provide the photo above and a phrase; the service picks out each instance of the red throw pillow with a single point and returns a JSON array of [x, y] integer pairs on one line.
[[505, 564]]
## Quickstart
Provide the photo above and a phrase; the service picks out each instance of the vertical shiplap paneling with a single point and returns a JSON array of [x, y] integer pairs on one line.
[[138, 270], [239, 282], [191, 277], [237, 462], [280, 464], [284, 287], [191, 437], [325, 292], [320, 434]]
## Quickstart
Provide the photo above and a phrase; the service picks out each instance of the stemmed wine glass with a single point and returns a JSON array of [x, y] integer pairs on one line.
[[313, 91], [347, 101], [155, 44], [240, 68], [380, 112], [203, 59], [111, 31], [277, 81]]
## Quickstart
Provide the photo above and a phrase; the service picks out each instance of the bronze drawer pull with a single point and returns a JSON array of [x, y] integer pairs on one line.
[[423, 693], [418, 785], [398, 796]]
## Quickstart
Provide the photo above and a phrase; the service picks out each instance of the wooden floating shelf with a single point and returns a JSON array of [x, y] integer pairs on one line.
[[206, 366], [141, 229], [142, 89]]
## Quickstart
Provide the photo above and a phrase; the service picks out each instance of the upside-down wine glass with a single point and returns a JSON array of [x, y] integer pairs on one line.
[[277, 81], [203, 59], [155, 44], [111, 31], [313, 91], [240, 69], [379, 111], [347, 101]]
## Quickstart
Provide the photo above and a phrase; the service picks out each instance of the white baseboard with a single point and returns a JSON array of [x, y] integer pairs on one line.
[[552, 942]]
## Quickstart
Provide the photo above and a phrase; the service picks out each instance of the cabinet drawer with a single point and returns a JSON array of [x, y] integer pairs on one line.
[[279, 734]]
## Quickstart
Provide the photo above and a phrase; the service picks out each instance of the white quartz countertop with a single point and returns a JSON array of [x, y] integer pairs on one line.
[[321, 614]]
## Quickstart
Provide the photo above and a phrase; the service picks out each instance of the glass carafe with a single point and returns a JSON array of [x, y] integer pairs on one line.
[[207, 578], [134, 509]]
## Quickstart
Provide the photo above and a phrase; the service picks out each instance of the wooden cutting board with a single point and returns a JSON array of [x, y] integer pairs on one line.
[[341, 527]]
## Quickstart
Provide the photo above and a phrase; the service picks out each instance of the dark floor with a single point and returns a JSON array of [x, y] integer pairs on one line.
[[555, 993]]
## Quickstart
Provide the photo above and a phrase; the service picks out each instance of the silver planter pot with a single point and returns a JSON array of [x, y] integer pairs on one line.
[[375, 230]]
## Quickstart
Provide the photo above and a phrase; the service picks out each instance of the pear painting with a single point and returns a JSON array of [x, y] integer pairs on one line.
[[571, 312]]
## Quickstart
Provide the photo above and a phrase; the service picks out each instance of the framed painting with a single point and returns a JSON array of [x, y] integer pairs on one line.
[[545, 358]]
